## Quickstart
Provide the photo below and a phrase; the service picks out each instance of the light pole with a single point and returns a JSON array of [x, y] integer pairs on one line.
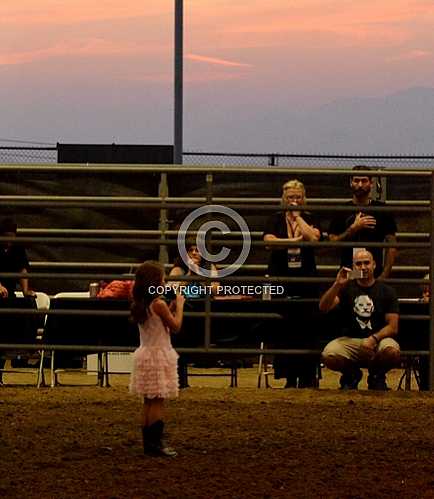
[[178, 83], [177, 120]]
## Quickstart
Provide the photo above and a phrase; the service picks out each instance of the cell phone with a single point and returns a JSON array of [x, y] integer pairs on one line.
[[169, 294], [355, 274]]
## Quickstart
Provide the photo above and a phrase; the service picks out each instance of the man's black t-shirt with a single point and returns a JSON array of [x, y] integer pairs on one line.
[[364, 309], [13, 259], [385, 226], [291, 262]]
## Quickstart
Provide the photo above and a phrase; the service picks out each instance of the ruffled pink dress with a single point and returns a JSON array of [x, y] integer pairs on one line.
[[155, 362]]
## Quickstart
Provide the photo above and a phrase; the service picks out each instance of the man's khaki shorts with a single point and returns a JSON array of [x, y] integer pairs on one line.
[[349, 348]]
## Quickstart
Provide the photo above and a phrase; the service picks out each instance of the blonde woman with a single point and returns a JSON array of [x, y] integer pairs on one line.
[[289, 225], [292, 226]]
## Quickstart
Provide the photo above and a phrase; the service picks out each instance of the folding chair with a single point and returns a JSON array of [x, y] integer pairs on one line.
[[42, 303], [264, 369]]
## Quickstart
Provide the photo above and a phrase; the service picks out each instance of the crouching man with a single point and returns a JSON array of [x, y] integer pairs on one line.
[[369, 314]]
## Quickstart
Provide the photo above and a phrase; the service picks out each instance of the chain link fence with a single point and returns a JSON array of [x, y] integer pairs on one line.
[[48, 155], [28, 155], [307, 160]]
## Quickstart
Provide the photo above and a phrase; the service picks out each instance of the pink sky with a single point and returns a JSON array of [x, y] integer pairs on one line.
[[271, 53]]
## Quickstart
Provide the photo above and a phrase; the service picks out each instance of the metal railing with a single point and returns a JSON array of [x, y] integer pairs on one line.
[[165, 203]]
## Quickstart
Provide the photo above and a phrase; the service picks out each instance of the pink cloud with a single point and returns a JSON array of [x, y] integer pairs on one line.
[[214, 60], [367, 23]]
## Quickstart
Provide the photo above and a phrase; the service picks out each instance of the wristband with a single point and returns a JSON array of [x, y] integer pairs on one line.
[[375, 338]]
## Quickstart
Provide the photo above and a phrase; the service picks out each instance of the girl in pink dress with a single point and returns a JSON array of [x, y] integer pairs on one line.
[[154, 376]]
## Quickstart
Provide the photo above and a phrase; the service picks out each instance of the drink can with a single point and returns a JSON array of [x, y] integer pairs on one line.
[[93, 289], [266, 290]]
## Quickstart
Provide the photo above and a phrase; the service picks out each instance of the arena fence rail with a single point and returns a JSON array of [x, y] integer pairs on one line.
[[242, 204]]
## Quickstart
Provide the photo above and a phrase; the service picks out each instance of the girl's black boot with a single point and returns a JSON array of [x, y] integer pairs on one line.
[[156, 445]]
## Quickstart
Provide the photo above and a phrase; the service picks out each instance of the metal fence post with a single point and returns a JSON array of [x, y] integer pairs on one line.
[[431, 273], [209, 196], [163, 225], [178, 81]]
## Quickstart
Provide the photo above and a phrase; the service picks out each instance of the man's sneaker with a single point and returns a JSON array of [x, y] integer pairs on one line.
[[377, 382], [350, 380]]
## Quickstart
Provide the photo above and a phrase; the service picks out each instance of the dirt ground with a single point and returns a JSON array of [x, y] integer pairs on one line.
[[232, 442]]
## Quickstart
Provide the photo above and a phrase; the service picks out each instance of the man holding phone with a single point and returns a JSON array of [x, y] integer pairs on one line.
[[365, 225], [369, 311]]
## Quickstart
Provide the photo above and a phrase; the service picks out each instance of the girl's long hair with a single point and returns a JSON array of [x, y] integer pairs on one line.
[[149, 274]]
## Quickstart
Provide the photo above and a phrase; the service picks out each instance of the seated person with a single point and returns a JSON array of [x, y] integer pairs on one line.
[[116, 289], [190, 268], [424, 361], [369, 311], [193, 267], [13, 258]]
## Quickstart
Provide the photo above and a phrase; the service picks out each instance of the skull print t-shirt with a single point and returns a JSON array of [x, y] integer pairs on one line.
[[364, 309]]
